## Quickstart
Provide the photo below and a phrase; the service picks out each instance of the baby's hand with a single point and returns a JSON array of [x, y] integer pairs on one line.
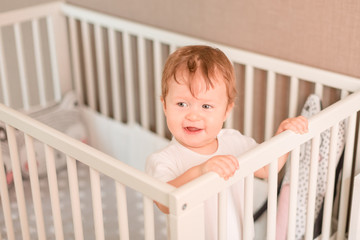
[[224, 165], [297, 124]]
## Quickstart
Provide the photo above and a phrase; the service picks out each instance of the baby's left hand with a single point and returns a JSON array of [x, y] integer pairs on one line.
[[297, 124]]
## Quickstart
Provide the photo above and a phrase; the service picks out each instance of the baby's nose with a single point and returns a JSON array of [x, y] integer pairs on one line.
[[193, 115]]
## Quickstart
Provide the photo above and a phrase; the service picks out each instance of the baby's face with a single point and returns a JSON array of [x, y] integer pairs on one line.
[[196, 121]]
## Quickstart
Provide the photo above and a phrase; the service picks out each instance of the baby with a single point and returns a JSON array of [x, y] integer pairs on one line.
[[198, 92]]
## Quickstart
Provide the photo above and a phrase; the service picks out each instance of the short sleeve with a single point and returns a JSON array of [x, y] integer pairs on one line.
[[233, 142], [160, 167]]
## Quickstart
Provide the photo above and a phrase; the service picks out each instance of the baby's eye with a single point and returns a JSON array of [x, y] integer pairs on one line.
[[206, 106], [182, 104]]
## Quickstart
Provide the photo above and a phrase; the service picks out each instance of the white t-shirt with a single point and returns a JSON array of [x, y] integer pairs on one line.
[[175, 159]]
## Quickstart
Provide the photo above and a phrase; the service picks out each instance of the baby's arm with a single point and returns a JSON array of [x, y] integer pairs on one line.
[[298, 125], [224, 165]]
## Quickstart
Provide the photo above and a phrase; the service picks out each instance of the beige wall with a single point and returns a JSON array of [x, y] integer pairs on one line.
[[321, 33]]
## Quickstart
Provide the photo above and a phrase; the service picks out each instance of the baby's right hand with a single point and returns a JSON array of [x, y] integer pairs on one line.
[[224, 165]]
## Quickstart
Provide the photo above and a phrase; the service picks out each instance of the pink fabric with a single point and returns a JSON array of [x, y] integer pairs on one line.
[[283, 212], [9, 177]]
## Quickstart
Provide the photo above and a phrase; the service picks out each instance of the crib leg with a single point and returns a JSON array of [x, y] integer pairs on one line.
[[354, 231], [188, 225]]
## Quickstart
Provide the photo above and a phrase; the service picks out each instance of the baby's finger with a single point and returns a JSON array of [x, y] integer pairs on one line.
[[297, 125], [229, 164], [301, 123]]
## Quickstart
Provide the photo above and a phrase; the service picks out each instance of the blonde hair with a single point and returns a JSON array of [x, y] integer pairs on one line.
[[210, 61]]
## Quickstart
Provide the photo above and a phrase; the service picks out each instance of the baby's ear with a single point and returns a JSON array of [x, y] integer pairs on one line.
[[163, 103], [228, 110]]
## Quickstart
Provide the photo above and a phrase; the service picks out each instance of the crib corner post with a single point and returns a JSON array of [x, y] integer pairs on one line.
[[354, 230], [186, 223]]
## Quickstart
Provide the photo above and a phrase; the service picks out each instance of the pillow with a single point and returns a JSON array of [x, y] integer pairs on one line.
[[64, 117]]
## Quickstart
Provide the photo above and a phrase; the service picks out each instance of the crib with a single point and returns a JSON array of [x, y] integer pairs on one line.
[[113, 67]]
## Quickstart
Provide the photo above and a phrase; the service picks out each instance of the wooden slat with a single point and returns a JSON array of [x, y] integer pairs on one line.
[[89, 74], [319, 90], [272, 200], [222, 213], [97, 204], [270, 105], [346, 176], [248, 211], [143, 86], [35, 187], [100, 65], [314, 162], [149, 224], [19, 187], [114, 75], [328, 201], [5, 201], [172, 48], [53, 58], [22, 67], [129, 78], [75, 197], [39, 62], [122, 211], [294, 93], [3, 74], [249, 93], [79, 88], [294, 176], [160, 126], [54, 191]]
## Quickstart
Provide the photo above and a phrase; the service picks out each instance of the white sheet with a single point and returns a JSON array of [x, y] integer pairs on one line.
[[121, 141]]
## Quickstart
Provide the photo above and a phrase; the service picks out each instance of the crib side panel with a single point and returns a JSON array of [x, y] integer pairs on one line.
[[80, 191], [34, 66]]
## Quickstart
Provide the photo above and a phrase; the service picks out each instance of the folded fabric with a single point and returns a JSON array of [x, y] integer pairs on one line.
[[311, 107], [64, 117]]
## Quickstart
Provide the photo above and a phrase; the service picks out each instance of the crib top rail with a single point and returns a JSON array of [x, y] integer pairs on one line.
[[29, 13], [92, 157]]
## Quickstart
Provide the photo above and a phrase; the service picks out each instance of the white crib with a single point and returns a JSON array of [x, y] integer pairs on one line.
[[114, 66]]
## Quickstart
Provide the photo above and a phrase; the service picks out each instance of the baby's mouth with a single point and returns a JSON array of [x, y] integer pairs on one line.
[[193, 129]]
